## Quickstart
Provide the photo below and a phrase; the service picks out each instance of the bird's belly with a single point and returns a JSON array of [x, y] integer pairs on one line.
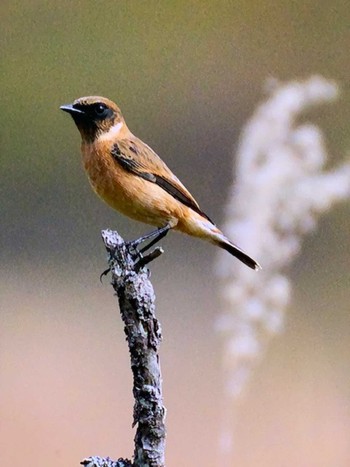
[[131, 195], [133, 203]]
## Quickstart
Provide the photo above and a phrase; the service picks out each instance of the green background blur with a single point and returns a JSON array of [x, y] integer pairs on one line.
[[187, 76]]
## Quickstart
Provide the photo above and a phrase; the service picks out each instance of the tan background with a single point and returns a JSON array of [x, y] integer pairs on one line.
[[187, 75]]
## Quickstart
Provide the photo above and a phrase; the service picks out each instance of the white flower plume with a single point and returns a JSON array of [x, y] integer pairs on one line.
[[281, 188]]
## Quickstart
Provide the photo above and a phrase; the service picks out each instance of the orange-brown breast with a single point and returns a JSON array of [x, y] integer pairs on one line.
[[126, 192]]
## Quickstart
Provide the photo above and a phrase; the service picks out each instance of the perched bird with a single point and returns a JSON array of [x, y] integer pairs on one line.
[[130, 177]]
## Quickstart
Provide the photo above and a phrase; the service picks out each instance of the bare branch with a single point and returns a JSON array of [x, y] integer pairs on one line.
[[130, 280], [97, 461]]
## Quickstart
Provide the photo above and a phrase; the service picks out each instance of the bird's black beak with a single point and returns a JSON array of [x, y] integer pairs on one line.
[[71, 109]]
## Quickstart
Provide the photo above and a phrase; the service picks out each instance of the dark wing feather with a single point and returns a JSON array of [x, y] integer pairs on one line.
[[130, 154]]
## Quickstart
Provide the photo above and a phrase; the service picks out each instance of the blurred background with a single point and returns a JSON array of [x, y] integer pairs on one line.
[[187, 76]]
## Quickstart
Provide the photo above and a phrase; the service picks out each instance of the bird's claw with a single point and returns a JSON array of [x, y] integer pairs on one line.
[[140, 260], [104, 273], [133, 250]]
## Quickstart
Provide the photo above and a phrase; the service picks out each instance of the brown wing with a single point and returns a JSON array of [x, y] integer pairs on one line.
[[138, 158]]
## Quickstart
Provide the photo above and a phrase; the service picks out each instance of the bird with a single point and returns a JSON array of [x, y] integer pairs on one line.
[[131, 178]]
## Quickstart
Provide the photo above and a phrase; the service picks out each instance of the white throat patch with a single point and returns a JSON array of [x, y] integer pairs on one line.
[[113, 132]]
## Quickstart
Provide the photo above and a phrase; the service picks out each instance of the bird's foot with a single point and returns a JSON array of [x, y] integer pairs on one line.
[[140, 260], [104, 273]]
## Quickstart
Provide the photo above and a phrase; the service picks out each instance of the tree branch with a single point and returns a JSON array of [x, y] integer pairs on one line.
[[136, 298]]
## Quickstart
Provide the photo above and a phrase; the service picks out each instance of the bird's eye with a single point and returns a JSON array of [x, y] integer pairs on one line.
[[100, 110]]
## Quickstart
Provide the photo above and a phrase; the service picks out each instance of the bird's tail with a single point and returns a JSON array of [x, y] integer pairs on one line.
[[224, 243], [219, 239], [199, 226]]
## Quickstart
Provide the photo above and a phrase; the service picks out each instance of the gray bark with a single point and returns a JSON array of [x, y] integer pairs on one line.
[[130, 280]]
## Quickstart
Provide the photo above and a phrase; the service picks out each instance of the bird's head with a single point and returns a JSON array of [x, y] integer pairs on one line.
[[94, 116]]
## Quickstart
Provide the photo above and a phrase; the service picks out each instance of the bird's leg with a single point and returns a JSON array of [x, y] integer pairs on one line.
[[157, 234], [161, 233]]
